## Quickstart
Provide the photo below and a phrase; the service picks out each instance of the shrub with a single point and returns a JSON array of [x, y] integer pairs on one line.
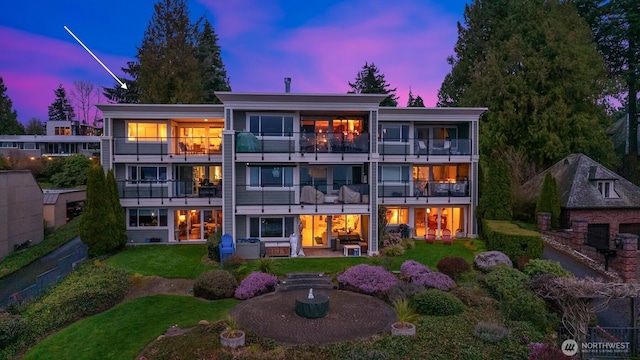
[[233, 262], [539, 266], [404, 311], [86, 291], [368, 279], [541, 351], [379, 260], [521, 262], [408, 243], [257, 283], [214, 285], [435, 280], [490, 332], [549, 201], [267, 265], [512, 240], [392, 250], [12, 327], [453, 266], [213, 251], [412, 268], [404, 290], [436, 302]]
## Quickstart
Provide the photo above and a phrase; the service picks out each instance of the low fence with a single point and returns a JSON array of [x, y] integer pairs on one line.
[[48, 278]]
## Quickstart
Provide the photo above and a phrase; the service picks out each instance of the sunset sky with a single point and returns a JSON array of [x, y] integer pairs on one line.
[[320, 44]]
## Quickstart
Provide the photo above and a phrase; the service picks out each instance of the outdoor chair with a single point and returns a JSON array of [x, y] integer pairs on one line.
[[430, 237], [446, 237], [226, 247]]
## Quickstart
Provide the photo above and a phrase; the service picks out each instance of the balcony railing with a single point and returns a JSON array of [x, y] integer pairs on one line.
[[424, 147], [168, 189], [185, 146], [424, 189], [302, 143]]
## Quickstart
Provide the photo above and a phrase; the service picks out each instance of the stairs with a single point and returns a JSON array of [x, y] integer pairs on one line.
[[305, 281]]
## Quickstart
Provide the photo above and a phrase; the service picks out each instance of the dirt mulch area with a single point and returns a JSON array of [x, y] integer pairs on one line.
[[147, 286], [351, 316]]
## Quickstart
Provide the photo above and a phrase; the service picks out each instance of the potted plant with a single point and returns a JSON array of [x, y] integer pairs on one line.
[[231, 336], [406, 316]]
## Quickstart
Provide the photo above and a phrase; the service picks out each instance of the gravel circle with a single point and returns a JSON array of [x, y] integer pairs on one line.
[[351, 316]]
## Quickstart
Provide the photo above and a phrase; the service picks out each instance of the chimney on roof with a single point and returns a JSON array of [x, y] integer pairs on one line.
[[287, 85]]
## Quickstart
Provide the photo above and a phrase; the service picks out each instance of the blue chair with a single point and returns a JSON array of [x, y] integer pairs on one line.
[[226, 247]]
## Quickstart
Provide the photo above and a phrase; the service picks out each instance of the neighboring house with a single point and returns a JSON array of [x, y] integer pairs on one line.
[[619, 134], [270, 165], [63, 138], [62, 205], [21, 209], [590, 192]]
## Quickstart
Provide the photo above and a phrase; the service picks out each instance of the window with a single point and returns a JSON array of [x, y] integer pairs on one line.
[[394, 132], [62, 130], [393, 174], [147, 174], [270, 176], [271, 125], [147, 217], [397, 216], [276, 227], [606, 189], [146, 131]]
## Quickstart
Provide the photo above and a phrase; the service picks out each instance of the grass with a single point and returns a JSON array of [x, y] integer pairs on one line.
[[168, 261], [123, 331], [509, 228], [17, 260], [184, 261]]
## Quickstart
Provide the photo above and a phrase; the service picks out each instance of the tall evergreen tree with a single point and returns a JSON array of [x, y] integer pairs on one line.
[[616, 30], [214, 74], [9, 124], [496, 199], [93, 229], [118, 225], [549, 201], [414, 102], [533, 63], [130, 95], [370, 81], [61, 109], [169, 71]]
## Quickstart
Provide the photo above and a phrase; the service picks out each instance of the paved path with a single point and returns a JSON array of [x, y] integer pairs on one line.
[[618, 313]]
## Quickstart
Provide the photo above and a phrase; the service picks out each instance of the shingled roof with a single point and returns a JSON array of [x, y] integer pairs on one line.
[[576, 179]]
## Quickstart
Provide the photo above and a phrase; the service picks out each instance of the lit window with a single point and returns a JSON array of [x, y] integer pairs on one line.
[[146, 132], [397, 216]]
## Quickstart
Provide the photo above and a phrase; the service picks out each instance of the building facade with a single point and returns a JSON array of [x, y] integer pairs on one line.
[[270, 165]]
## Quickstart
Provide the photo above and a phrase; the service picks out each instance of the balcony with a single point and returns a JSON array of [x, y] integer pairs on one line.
[[168, 189], [424, 189], [203, 147], [425, 147], [303, 143]]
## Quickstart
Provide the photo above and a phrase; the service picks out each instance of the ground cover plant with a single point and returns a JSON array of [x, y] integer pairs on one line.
[[257, 283], [15, 261]]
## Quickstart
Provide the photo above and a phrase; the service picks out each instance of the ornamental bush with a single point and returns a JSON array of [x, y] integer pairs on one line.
[[453, 266], [257, 283], [368, 279], [490, 332], [404, 290], [437, 303], [539, 266], [12, 327], [214, 285], [393, 250], [435, 280], [412, 268]]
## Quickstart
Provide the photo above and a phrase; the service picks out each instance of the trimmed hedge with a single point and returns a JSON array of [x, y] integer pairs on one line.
[[215, 285], [512, 240], [437, 303]]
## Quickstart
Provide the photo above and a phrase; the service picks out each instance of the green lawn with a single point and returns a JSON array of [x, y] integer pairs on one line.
[[168, 261], [123, 331], [184, 261]]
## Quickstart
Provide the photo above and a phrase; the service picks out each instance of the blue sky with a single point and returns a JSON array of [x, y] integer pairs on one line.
[[321, 44]]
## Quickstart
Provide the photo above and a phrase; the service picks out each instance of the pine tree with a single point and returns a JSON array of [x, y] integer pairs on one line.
[[414, 102], [130, 95], [169, 71], [61, 109], [119, 226], [92, 224], [9, 124], [548, 201], [34, 127], [496, 199], [370, 81], [214, 74], [534, 64]]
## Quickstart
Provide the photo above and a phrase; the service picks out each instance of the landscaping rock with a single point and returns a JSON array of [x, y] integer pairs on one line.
[[488, 259], [203, 322]]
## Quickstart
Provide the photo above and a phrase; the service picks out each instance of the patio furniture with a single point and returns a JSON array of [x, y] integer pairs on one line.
[[446, 237], [351, 249], [277, 248], [248, 248], [430, 237], [226, 247]]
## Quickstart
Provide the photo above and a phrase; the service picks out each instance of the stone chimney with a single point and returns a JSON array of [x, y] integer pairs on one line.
[[287, 85]]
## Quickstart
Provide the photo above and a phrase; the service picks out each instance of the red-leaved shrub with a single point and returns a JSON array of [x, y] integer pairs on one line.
[[453, 266]]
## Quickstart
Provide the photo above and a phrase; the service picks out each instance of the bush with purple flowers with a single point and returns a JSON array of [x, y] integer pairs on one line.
[[368, 279], [257, 283], [412, 268], [435, 280], [541, 351]]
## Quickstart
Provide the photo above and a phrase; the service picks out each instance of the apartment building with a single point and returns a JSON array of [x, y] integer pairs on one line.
[[270, 165]]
